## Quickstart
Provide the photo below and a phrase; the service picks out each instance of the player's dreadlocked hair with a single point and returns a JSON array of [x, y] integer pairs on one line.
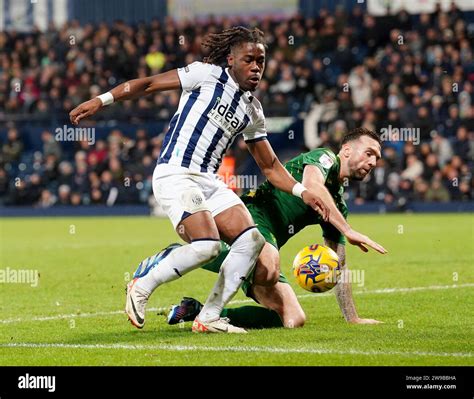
[[220, 44]]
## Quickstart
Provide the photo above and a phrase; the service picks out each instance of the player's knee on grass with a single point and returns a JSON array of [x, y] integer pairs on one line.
[[206, 250], [282, 299], [294, 320], [291, 318]]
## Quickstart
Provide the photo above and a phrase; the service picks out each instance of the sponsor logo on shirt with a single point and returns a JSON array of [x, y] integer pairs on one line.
[[224, 117]]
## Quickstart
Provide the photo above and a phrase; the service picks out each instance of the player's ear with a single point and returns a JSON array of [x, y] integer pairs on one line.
[[230, 60], [346, 150]]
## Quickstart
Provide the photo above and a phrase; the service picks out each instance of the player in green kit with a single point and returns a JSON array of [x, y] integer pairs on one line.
[[279, 216]]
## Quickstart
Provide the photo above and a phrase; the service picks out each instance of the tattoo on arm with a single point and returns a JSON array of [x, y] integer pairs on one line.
[[343, 287]]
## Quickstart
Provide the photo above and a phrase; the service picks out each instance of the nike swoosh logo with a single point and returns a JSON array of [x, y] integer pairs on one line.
[[220, 329], [139, 319]]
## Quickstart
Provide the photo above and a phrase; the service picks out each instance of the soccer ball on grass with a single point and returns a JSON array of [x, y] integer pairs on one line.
[[316, 268]]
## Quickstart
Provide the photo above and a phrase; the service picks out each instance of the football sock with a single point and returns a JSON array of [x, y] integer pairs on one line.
[[236, 267], [214, 264], [180, 261], [252, 317], [244, 316]]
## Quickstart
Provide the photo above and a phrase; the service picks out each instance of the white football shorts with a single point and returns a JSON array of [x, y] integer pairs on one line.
[[182, 193]]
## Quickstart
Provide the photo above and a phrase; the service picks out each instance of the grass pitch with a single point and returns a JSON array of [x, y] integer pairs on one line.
[[422, 290]]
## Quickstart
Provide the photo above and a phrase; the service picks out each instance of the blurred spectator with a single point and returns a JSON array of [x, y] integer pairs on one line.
[[436, 192], [414, 168], [50, 145], [64, 192], [351, 66], [46, 200], [453, 122], [462, 145], [442, 148], [405, 192], [12, 149], [76, 199], [34, 187], [420, 188], [3, 186], [359, 82], [431, 166]]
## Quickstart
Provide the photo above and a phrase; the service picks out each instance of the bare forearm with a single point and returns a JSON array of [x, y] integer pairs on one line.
[[335, 216], [276, 174], [280, 177], [144, 86], [131, 89], [271, 166], [343, 287], [125, 91], [312, 178]]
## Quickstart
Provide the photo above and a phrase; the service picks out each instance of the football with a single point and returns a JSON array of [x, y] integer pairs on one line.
[[316, 268]]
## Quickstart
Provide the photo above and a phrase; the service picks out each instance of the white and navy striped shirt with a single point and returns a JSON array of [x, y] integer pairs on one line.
[[212, 111]]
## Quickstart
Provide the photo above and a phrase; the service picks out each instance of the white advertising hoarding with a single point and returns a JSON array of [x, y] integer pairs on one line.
[[190, 9], [379, 7]]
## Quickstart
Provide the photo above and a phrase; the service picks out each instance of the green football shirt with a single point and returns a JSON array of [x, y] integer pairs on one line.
[[284, 214]]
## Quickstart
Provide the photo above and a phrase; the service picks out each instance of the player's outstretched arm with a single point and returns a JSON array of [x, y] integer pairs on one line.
[[126, 91], [276, 174], [344, 288], [312, 177]]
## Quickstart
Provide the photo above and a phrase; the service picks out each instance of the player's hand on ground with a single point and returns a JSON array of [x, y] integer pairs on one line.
[[312, 200], [362, 241], [365, 321], [85, 110]]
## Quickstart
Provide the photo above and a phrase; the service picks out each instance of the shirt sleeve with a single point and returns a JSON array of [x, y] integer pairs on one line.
[[192, 76], [257, 131], [324, 160]]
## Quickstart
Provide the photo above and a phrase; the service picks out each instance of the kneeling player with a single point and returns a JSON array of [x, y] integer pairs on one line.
[[278, 217]]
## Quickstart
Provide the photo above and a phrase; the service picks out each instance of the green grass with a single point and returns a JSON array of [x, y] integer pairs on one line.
[[85, 272]]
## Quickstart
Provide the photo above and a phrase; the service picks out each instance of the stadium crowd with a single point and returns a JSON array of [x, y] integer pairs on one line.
[[402, 71]]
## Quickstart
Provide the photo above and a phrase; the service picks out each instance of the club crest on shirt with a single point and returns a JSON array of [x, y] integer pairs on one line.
[[197, 200], [326, 161]]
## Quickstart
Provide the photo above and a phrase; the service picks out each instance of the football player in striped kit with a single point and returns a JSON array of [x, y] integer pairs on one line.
[[216, 105]]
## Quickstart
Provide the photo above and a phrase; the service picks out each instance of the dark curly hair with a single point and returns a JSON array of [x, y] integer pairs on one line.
[[220, 44]]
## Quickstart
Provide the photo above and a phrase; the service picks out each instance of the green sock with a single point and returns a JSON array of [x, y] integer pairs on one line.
[[252, 317]]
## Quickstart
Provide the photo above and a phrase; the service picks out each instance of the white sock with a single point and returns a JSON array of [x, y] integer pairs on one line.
[[179, 262], [236, 267]]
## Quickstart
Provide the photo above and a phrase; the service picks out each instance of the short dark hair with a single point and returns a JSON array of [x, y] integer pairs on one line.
[[220, 44], [354, 134]]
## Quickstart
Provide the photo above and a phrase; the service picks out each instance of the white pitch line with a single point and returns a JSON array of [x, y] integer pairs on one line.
[[377, 291], [253, 349], [328, 294]]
